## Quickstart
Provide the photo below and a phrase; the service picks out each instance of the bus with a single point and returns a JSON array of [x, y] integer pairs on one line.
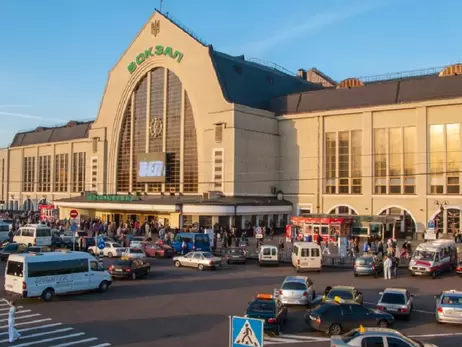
[[33, 235], [194, 242]]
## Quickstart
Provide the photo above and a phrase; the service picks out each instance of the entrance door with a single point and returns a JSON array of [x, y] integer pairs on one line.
[[117, 219]]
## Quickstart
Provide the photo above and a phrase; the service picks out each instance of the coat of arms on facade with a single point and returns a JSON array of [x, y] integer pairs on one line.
[[155, 27], [155, 127]]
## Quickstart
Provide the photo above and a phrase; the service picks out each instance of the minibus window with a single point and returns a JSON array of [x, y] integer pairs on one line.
[[201, 238], [15, 268], [315, 252], [43, 232], [266, 251], [305, 252], [273, 251]]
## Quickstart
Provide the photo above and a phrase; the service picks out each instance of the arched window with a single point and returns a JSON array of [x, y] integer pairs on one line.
[[42, 202], [343, 210], [404, 224], [159, 107], [28, 205], [453, 224]]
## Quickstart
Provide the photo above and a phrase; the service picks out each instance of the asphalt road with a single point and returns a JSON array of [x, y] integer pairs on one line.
[[179, 307]]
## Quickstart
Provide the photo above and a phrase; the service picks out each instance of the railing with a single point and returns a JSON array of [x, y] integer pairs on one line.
[[271, 65], [403, 74], [185, 28]]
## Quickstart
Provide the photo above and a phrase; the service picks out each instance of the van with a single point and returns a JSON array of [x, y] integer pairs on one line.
[[433, 258], [268, 255], [194, 241], [306, 256], [33, 235], [4, 231], [44, 275]]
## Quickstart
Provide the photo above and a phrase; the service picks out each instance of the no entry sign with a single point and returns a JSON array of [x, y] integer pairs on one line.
[[74, 214]]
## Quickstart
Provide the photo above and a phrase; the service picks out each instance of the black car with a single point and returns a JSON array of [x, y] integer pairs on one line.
[[37, 249], [337, 318], [130, 268], [12, 248], [235, 256], [269, 309]]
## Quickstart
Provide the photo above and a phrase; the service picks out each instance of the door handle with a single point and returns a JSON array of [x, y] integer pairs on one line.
[[86, 275], [92, 274]]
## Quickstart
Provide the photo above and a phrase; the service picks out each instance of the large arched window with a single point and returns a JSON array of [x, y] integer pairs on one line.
[[158, 114], [453, 224], [404, 224], [343, 210], [28, 205]]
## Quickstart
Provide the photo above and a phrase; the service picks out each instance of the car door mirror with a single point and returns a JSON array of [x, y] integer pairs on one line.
[[435, 297], [381, 293]]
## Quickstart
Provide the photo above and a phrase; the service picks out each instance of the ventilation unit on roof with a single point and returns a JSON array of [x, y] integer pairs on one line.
[[350, 83], [39, 129], [451, 70], [71, 123]]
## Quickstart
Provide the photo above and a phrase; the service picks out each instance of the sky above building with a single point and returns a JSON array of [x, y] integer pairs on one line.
[[55, 55]]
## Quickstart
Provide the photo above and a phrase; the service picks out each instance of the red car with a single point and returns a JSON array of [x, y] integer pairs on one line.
[[158, 250]]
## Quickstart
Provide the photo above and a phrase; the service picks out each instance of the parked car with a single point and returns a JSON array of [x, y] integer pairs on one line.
[[139, 241], [375, 337], [235, 255], [297, 290], [368, 265], [133, 253], [199, 260], [12, 248], [111, 249], [130, 268], [449, 307], [38, 249], [396, 301], [158, 250], [347, 293]]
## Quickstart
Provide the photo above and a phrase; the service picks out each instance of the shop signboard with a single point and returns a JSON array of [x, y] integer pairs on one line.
[[118, 198]]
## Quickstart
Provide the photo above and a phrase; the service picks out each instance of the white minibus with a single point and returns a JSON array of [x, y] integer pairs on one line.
[[306, 256], [33, 235], [44, 275], [433, 258]]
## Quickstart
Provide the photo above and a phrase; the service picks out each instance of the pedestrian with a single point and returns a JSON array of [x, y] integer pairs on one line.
[[12, 332], [387, 264], [395, 266]]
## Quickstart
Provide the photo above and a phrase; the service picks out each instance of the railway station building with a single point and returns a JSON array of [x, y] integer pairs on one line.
[[186, 134]]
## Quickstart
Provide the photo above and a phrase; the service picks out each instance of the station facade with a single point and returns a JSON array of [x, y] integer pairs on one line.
[[239, 142]]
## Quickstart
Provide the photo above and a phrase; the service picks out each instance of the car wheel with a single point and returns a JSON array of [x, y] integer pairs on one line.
[[110, 255], [227, 262], [356, 275], [383, 324], [200, 267], [177, 264], [133, 276], [433, 274], [103, 287], [278, 331], [148, 270], [335, 329], [48, 294], [375, 274]]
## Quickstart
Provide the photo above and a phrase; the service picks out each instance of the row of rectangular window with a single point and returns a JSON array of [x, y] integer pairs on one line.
[[61, 173]]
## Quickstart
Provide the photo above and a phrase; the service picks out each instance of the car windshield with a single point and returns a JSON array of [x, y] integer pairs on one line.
[[350, 335], [14, 268], [393, 298], [266, 251], [294, 286], [342, 293], [452, 300], [11, 247], [236, 251], [424, 255], [207, 255], [138, 239], [261, 307], [136, 251], [364, 261], [122, 262], [116, 245]]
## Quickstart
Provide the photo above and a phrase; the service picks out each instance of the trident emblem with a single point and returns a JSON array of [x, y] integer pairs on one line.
[[155, 27]]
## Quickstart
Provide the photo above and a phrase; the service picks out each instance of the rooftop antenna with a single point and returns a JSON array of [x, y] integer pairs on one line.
[[160, 6]]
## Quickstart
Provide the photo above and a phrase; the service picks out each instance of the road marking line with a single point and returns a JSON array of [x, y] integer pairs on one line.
[[35, 328], [7, 308], [75, 342], [287, 342], [321, 339], [23, 311], [41, 334], [275, 339], [100, 345], [22, 317], [414, 310], [4, 304], [26, 323], [49, 340], [438, 335]]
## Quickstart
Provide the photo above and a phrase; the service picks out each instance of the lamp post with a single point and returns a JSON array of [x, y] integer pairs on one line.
[[442, 206]]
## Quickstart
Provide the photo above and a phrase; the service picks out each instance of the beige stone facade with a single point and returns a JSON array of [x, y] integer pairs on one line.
[[323, 160]]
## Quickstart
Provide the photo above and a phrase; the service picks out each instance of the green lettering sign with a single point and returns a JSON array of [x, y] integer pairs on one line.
[[96, 197], [158, 50]]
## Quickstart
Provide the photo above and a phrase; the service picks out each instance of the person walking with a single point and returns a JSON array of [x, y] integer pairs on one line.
[[12, 332], [387, 264]]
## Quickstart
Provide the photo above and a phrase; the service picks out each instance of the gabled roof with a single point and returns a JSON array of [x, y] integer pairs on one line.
[[251, 84], [71, 131], [405, 90]]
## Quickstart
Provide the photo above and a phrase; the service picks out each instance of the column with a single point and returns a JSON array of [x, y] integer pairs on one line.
[[70, 166], [164, 120], [132, 118], [148, 120], [445, 221], [182, 139]]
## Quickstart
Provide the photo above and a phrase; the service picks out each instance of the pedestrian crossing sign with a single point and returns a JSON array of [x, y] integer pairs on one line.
[[246, 332]]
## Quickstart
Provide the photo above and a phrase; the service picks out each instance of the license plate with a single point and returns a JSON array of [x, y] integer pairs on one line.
[[198, 249], [119, 270], [9, 286], [417, 273], [312, 318]]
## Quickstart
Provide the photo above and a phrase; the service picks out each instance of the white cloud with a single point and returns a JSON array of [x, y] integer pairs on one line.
[[29, 116], [311, 25]]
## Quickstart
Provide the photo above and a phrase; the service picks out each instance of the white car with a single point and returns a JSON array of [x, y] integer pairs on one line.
[[133, 253], [137, 242], [111, 249]]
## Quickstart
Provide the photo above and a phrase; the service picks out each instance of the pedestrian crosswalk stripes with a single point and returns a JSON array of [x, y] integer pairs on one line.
[[38, 331], [292, 339]]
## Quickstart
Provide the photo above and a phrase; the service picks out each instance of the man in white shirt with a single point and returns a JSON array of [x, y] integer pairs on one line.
[[387, 264]]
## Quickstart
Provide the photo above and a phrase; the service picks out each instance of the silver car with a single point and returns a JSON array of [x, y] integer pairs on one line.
[[449, 307], [198, 260], [297, 290], [375, 337], [396, 301]]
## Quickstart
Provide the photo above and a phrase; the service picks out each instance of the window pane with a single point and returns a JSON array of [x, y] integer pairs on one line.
[[453, 158], [380, 150], [410, 149], [139, 130], [436, 159], [396, 148], [331, 159], [356, 160]]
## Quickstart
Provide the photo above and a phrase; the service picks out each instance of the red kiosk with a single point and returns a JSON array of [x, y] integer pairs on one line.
[[328, 227]]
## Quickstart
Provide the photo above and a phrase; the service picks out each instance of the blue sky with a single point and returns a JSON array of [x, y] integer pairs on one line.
[[55, 54]]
